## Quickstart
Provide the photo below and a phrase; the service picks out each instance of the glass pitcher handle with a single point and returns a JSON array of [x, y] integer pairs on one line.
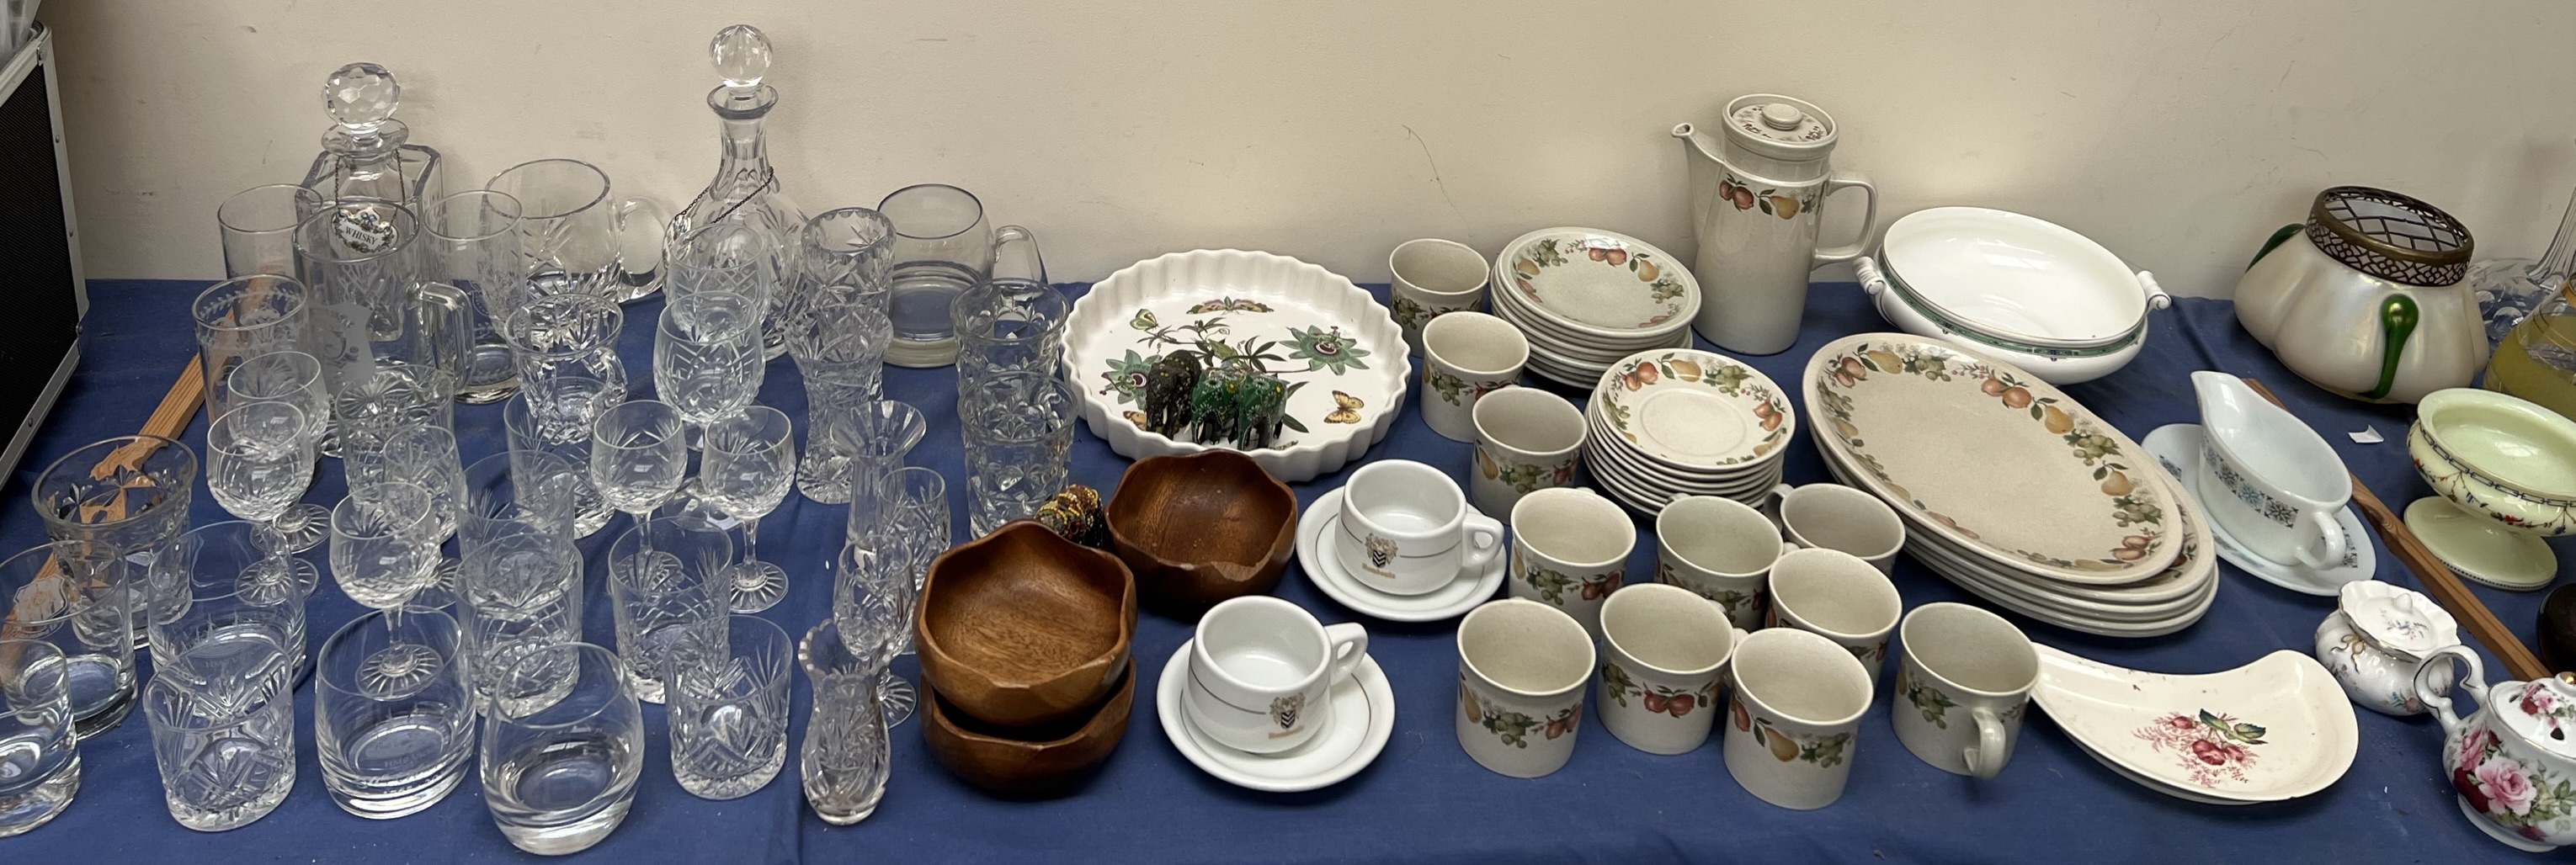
[[640, 227], [1015, 255]]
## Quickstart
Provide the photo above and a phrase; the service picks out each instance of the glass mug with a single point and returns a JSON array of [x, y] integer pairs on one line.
[[576, 236], [943, 246]]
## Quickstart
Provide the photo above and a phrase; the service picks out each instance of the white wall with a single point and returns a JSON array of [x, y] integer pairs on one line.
[[2177, 132]]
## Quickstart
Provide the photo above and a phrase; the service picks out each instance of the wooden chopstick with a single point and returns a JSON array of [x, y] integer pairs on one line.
[[2438, 580]]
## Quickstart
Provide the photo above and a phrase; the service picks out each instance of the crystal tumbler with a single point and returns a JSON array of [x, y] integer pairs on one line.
[[225, 760], [71, 594], [127, 494], [563, 745], [392, 716], [727, 694], [1018, 428], [40, 767], [665, 580]]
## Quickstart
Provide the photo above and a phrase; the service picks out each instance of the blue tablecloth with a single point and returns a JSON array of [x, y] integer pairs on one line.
[[1423, 800]]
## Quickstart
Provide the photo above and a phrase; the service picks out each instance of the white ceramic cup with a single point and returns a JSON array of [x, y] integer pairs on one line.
[[1837, 517], [1429, 278], [1521, 670], [1465, 356], [1406, 530], [1662, 654], [1835, 595], [1961, 688], [1794, 719], [1570, 551], [1723, 550], [1262, 670], [2284, 512], [1526, 440]]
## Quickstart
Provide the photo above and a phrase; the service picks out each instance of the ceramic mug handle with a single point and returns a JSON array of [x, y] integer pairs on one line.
[[2328, 531], [1484, 537], [1986, 759], [1836, 182], [1345, 644]]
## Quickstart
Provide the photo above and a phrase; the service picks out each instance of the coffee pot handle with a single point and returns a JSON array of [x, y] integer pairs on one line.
[[2440, 701], [1993, 749], [1836, 182]]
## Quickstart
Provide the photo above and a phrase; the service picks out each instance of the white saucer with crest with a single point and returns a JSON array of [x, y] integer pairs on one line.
[[2177, 446], [1318, 530], [1363, 718]]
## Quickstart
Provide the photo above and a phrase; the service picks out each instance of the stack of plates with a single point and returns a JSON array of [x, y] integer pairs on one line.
[[2011, 489], [1681, 422], [1587, 298]]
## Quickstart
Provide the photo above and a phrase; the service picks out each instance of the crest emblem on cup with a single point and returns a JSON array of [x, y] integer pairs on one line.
[[1380, 552], [1284, 712]]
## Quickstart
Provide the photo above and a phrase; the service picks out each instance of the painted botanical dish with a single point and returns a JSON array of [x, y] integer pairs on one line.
[[1337, 354], [1696, 409], [1992, 459], [1604, 282], [2278, 728]]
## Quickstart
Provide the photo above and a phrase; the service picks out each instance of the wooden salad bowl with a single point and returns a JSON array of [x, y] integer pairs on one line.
[[1201, 528], [1022, 627], [1026, 761]]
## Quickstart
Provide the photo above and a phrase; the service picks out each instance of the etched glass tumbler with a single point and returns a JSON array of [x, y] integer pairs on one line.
[[40, 766], [242, 318], [563, 745], [127, 494], [728, 708], [226, 759], [1009, 325], [1019, 444], [392, 717], [258, 226], [665, 582], [72, 595], [846, 755]]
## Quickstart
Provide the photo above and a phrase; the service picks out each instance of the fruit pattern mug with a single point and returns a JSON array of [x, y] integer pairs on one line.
[[1835, 595], [1723, 550], [1429, 278], [1570, 550], [1526, 440], [1522, 666], [1662, 654], [1794, 718], [1965, 679]]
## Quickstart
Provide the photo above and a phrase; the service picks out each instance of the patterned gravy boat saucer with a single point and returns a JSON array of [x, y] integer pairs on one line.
[[1362, 720], [2278, 728], [1315, 556], [2178, 448]]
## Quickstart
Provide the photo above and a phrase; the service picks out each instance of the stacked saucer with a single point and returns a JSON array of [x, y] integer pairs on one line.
[[1587, 298], [2010, 489], [1677, 422]]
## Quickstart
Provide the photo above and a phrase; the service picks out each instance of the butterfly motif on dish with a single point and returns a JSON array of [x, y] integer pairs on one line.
[[1144, 320], [1348, 410]]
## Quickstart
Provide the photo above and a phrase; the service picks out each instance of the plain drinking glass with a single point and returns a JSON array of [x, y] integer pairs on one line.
[[128, 494], [872, 600], [846, 754], [840, 351], [259, 227], [749, 463], [735, 258], [728, 709], [706, 355], [664, 582], [233, 622], [259, 460], [473, 240], [639, 456], [72, 594], [1018, 428], [1009, 325], [40, 766], [576, 236], [294, 378], [242, 318], [555, 419], [568, 335], [877, 436], [563, 745], [384, 543], [392, 716], [226, 759]]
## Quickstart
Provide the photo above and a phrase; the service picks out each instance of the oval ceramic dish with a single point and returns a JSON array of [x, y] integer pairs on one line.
[[1991, 459], [2058, 366], [2017, 278], [1694, 410], [2275, 729], [1331, 336], [1598, 283]]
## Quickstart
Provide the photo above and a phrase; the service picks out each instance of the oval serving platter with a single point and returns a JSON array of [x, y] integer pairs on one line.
[[1992, 459]]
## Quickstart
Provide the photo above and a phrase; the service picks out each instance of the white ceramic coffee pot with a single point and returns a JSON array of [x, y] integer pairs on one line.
[[1755, 195]]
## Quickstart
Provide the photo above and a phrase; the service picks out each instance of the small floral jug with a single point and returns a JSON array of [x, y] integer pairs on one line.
[[2514, 760], [2376, 638]]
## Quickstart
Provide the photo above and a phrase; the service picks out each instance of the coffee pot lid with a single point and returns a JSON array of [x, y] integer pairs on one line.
[[1780, 127]]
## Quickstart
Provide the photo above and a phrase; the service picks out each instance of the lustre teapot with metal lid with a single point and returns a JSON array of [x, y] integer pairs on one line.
[[1755, 198], [2513, 761]]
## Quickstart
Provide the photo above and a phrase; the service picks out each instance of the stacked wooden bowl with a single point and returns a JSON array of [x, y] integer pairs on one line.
[[1023, 638]]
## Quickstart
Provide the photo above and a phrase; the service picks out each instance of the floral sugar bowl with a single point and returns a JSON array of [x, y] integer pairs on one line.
[[2513, 761], [2376, 638]]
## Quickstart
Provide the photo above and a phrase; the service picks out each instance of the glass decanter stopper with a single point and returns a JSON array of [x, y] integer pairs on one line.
[[746, 189], [366, 153]]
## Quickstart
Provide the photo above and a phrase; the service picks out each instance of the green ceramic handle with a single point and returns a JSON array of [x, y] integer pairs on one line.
[[2397, 319]]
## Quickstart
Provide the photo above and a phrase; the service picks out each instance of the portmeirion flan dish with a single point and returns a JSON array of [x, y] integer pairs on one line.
[[2017, 288], [2504, 473]]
